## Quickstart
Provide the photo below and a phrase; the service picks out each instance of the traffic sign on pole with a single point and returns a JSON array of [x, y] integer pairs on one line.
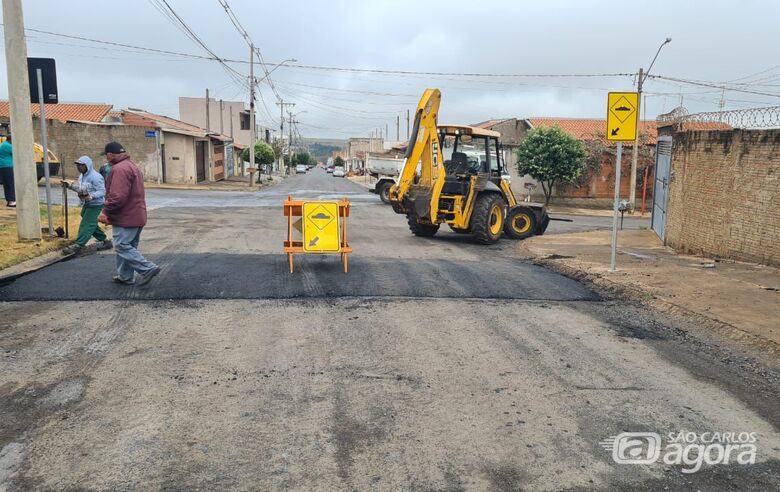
[[622, 116]]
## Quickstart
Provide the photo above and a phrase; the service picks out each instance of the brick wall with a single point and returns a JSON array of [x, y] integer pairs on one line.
[[724, 195], [72, 140], [602, 184]]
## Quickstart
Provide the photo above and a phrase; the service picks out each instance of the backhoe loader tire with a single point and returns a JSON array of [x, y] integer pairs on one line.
[[487, 219], [383, 190], [520, 223], [418, 229]]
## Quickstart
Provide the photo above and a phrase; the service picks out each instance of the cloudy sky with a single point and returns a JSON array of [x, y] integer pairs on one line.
[[714, 43]]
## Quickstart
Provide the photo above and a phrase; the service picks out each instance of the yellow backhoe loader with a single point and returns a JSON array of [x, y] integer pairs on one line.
[[455, 174]]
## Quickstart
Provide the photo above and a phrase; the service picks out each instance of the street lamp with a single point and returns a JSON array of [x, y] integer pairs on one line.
[[635, 151], [252, 82], [257, 81]]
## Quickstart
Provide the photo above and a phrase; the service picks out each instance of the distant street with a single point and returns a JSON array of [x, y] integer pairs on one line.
[[434, 364]]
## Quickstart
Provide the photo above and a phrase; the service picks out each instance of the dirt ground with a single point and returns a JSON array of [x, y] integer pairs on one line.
[[739, 299]]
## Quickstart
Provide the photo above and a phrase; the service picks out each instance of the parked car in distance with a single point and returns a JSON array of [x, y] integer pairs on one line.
[[338, 172], [330, 169], [300, 168]]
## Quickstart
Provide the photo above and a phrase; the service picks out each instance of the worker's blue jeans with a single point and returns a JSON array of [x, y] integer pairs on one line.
[[128, 258]]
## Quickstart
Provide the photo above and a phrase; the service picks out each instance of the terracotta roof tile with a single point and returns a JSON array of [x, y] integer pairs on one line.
[[590, 129], [66, 111]]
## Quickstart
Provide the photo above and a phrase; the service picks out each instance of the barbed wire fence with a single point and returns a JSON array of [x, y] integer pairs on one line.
[[753, 118]]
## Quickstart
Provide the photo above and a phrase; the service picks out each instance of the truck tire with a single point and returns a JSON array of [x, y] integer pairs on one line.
[[421, 230], [520, 222], [487, 219], [383, 190]]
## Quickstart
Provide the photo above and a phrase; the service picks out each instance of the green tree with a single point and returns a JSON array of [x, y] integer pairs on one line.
[[550, 156], [338, 161], [303, 157], [264, 153]]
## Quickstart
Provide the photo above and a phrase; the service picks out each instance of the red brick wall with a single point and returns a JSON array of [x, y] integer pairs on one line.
[[724, 195], [602, 185]]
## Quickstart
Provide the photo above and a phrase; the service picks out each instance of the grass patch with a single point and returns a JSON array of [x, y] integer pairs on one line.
[[13, 251]]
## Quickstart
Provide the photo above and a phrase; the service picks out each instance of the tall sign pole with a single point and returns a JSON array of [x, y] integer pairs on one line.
[[28, 220], [45, 145], [622, 123], [252, 107]]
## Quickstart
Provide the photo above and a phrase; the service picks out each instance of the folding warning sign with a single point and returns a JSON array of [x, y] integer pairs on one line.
[[322, 225]]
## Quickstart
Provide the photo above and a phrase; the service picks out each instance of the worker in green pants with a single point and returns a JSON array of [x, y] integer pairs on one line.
[[91, 190]]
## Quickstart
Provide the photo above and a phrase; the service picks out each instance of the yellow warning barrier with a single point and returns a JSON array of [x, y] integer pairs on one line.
[[322, 225]]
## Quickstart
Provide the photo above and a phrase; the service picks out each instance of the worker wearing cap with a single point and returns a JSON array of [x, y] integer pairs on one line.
[[125, 210], [91, 191]]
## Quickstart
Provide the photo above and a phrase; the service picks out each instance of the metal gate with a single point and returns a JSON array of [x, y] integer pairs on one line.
[[663, 166], [200, 160]]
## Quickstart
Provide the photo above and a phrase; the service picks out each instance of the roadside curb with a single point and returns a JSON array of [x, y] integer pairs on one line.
[[612, 290], [32, 265]]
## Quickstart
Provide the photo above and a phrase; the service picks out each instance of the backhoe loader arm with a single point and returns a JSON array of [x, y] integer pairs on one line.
[[423, 149]]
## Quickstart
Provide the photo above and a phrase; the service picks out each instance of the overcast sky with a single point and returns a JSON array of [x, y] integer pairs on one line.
[[713, 41]]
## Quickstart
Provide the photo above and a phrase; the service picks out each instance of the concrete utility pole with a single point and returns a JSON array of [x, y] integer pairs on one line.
[[281, 105], [208, 119], [640, 80], [252, 105], [221, 119], [28, 220], [407, 124], [635, 150], [231, 122], [397, 128]]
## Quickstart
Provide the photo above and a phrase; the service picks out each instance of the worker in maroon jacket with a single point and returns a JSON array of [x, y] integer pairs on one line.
[[125, 210]]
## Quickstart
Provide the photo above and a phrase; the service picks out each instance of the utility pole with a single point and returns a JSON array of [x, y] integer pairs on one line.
[[221, 119], [252, 106], [208, 119], [397, 128], [387, 132], [281, 105], [290, 141], [28, 220], [635, 150], [407, 124], [231, 122]]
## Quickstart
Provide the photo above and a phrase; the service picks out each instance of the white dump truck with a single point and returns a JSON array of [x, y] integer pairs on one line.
[[385, 170]]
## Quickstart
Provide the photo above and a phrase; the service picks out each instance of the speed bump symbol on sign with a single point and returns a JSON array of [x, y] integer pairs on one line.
[[622, 116], [321, 227]]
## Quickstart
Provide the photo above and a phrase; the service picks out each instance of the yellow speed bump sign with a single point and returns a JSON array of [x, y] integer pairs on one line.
[[622, 116], [321, 227]]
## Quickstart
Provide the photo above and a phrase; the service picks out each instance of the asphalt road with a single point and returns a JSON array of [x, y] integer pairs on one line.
[[435, 364]]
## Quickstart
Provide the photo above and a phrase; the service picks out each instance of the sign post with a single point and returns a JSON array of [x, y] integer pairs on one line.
[[45, 145], [622, 122]]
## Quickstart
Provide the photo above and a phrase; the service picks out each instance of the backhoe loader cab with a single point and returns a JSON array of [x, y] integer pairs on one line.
[[455, 174]]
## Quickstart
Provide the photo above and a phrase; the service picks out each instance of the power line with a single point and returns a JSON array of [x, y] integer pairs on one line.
[[244, 34], [710, 84], [178, 22]]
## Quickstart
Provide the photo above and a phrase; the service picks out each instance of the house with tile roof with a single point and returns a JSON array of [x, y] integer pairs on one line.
[[63, 112], [188, 153]]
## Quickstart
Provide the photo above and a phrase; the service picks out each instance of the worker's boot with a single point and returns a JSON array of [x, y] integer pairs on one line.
[[105, 244], [73, 249]]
